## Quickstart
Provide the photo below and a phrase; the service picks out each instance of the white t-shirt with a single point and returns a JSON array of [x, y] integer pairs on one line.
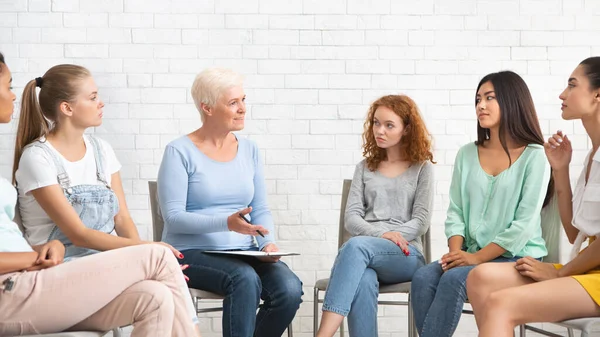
[[586, 203], [11, 238], [37, 170]]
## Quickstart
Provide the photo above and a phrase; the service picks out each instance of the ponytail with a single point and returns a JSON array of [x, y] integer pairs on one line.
[[32, 123], [38, 116]]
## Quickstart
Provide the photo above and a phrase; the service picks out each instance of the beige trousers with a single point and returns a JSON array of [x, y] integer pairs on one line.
[[140, 285]]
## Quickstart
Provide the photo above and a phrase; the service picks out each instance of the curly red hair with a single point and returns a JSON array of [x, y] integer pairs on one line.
[[415, 143]]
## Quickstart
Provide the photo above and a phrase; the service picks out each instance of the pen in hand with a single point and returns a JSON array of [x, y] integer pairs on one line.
[[243, 217]]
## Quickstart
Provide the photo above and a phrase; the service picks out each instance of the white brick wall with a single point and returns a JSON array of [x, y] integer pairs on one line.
[[312, 69]]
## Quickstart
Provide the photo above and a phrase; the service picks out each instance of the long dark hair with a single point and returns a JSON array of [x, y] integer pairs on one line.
[[2, 62], [518, 118], [592, 71]]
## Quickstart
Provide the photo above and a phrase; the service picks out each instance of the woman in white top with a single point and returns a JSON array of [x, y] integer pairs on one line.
[[140, 285], [68, 182], [504, 296]]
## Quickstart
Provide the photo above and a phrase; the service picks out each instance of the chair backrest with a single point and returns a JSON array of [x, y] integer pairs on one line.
[[551, 229], [345, 236], [157, 219]]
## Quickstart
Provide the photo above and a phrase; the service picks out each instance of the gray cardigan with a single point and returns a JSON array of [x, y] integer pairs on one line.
[[378, 204]]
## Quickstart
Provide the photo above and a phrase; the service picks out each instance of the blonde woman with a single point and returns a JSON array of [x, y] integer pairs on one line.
[[140, 285], [69, 182], [208, 180]]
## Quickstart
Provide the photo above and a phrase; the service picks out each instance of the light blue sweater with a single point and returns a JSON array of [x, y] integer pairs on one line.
[[197, 194]]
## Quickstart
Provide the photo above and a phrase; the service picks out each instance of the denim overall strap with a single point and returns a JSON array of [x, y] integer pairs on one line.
[[95, 203], [61, 173], [100, 174]]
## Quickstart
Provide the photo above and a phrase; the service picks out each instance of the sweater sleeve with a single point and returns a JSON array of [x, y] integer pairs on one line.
[[172, 195], [455, 222], [528, 212]]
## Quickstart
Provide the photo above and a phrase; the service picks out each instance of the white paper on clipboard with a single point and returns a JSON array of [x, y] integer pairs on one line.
[[250, 253]]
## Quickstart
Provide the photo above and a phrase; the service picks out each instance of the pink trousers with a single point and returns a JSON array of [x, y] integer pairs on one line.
[[140, 285]]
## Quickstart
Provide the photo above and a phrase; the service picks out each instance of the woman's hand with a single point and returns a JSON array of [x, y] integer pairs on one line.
[[558, 151], [52, 250], [398, 239], [271, 247], [50, 254], [175, 251], [236, 223], [184, 267], [458, 258], [536, 270]]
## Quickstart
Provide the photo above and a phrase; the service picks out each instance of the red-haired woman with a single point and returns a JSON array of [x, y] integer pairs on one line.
[[388, 211]]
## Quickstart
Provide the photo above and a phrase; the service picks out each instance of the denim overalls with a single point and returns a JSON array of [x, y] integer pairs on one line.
[[96, 205]]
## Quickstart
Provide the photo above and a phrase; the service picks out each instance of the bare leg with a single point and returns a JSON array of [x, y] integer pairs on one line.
[[329, 324], [489, 277], [535, 302]]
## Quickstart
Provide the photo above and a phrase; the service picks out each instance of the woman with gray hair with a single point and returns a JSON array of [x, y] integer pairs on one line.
[[212, 196]]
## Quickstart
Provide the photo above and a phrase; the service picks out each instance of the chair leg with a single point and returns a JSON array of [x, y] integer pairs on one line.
[[522, 330], [342, 328], [290, 331], [316, 312], [583, 333], [195, 300], [116, 332], [412, 328], [570, 332]]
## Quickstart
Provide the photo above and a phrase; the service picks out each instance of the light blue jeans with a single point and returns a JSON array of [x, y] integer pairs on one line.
[[438, 297], [361, 264]]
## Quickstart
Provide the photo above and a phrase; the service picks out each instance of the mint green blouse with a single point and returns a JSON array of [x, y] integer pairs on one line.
[[503, 209]]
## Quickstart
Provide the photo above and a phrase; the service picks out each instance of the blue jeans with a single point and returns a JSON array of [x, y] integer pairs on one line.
[[438, 297], [361, 264], [243, 281]]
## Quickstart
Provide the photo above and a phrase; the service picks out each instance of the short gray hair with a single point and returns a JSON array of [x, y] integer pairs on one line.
[[210, 84]]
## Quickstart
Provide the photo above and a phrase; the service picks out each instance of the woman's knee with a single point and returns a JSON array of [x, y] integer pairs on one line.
[[454, 280], [244, 279], [484, 276], [292, 294], [153, 295], [429, 273], [355, 244], [480, 276], [158, 252]]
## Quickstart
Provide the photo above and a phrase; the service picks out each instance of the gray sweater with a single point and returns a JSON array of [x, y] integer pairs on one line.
[[378, 204]]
